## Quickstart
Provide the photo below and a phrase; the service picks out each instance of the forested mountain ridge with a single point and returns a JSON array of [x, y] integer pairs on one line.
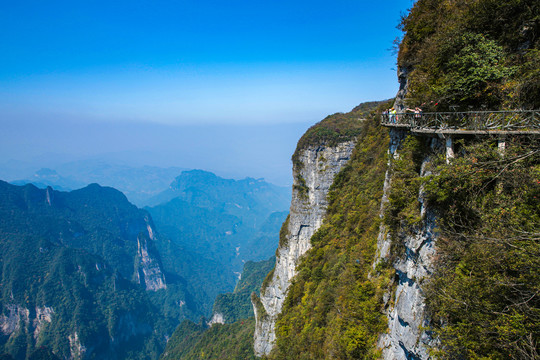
[[228, 221], [255, 191], [86, 274], [77, 266], [139, 184]]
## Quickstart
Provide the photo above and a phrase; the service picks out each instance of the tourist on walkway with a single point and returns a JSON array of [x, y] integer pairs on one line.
[[393, 115]]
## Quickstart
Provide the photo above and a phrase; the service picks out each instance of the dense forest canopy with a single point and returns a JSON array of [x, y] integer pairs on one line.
[[475, 54]]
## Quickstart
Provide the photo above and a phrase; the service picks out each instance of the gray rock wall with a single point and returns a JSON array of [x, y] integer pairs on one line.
[[406, 338], [16, 318], [312, 180], [149, 270]]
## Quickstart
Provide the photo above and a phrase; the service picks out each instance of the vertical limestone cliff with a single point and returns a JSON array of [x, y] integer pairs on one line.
[[313, 173], [148, 271], [406, 337]]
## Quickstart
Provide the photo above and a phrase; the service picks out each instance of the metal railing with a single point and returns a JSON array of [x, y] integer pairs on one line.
[[515, 120]]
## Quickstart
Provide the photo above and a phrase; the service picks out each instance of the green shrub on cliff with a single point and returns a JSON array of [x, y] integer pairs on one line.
[[483, 296], [472, 53], [403, 209], [191, 341]]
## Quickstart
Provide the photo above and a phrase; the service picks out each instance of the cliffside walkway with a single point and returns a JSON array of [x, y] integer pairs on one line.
[[477, 123], [516, 122]]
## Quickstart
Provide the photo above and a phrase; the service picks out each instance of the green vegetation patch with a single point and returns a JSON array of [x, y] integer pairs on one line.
[[283, 240], [486, 285], [233, 340], [472, 54], [301, 187], [237, 305], [402, 212], [230, 341]]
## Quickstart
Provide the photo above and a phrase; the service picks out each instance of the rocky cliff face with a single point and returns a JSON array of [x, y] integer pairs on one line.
[[15, 318], [313, 175], [406, 338], [217, 318], [403, 78], [149, 271], [18, 319]]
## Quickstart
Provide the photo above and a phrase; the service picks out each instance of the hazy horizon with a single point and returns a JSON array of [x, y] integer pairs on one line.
[[230, 151], [224, 87]]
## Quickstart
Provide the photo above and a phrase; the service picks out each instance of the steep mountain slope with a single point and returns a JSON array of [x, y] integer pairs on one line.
[[469, 240], [332, 305], [320, 155], [78, 273], [457, 243], [454, 256]]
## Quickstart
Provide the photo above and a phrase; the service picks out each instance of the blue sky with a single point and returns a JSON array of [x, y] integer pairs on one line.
[[186, 63]]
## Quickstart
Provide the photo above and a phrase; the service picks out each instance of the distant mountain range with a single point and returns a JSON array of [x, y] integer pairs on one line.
[[138, 183], [87, 275], [230, 220]]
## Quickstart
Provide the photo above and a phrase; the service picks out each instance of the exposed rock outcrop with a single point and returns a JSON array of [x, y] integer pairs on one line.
[[43, 314], [77, 349], [403, 78], [17, 317], [149, 268], [217, 318], [406, 337], [20, 319], [313, 174]]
